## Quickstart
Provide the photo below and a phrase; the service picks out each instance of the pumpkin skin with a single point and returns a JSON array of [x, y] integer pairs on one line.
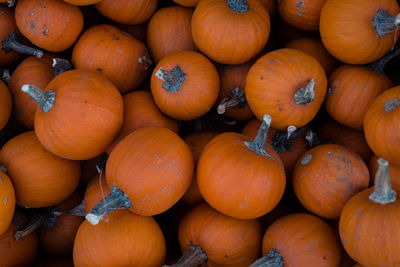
[[226, 241], [273, 81], [381, 128], [5, 103], [270, 6], [197, 93], [35, 71], [169, 31], [116, 55], [7, 207], [95, 245], [82, 2], [187, 3], [352, 91], [33, 20], [8, 25], [129, 12], [295, 237], [40, 178], [326, 177], [227, 36], [348, 33], [394, 172], [87, 112]]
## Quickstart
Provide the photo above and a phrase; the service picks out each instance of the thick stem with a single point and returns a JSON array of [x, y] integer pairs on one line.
[[61, 65], [283, 141], [12, 42], [236, 99], [383, 192], [37, 220], [113, 201], [79, 210], [379, 65], [259, 142], [305, 95], [193, 257], [172, 79], [384, 23], [240, 6], [45, 99], [5, 75], [392, 104], [9, 3], [272, 259]]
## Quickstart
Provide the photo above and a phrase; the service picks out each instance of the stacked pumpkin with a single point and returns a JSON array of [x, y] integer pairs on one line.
[[234, 132]]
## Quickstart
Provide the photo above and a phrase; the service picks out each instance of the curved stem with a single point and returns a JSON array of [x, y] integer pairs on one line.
[[193, 257], [240, 6], [272, 259], [61, 65], [5, 75], [172, 79], [235, 99], [379, 65], [37, 220], [305, 95], [12, 42], [79, 210], [383, 192], [9, 3], [392, 104], [384, 23], [259, 142], [113, 201], [45, 99]]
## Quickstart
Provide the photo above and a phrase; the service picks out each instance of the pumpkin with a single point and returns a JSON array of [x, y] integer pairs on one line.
[[360, 31], [35, 20], [118, 56], [394, 172], [372, 213], [35, 71], [96, 190], [7, 207], [7, 21], [230, 32], [169, 31], [40, 178], [147, 172], [381, 127], [288, 84], [138, 31], [300, 239], [239, 177], [185, 85], [79, 114], [187, 3], [5, 103], [326, 177], [223, 240], [126, 239]]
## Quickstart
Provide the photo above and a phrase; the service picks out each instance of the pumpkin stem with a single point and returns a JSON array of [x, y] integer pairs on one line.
[[384, 22], [9, 3], [193, 257], [37, 220], [379, 65], [392, 104], [272, 259], [305, 95], [240, 6], [3, 169], [113, 201], [283, 141], [79, 210], [259, 142], [61, 65], [383, 192], [101, 165], [45, 99], [12, 42], [172, 79], [5, 75], [235, 99]]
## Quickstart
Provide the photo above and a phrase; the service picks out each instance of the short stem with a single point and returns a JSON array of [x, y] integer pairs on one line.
[[9, 3], [392, 104], [379, 65], [312, 139], [3, 169], [173, 79], [37, 220], [236, 99], [12, 42], [240, 6], [384, 23], [193, 257], [61, 65], [290, 130], [113, 201], [305, 95], [383, 192], [259, 142], [283, 141], [272, 259], [45, 99], [5, 75]]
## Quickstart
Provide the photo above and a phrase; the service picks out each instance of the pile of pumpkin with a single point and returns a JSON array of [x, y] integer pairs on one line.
[[188, 133]]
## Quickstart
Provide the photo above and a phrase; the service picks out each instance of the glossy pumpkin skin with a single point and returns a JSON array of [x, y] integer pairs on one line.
[[303, 240], [8, 25], [40, 178], [348, 33], [113, 53], [227, 36], [302, 14], [169, 31], [85, 118], [34, 71], [273, 81], [324, 183], [96, 190], [153, 167], [187, 3], [5, 103], [129, 12], [226, 241], [141, 111], [34, 21], [394, 172], [382, 129], [353, 89], [198, 92], [7, 206], [111, 243]]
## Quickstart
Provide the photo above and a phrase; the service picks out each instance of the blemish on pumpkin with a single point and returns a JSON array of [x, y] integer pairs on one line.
[[299, 4], [85, 101], [114, 37], [324, 257], [32, 24], [1, 181], [335, 84], [306, 159], [261, 78], [99, 69], [5, 200]]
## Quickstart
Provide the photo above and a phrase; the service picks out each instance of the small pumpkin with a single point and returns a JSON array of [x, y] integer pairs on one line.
[[96, 190], [187, 3], [5, 103], [394, 172], [7, 207]]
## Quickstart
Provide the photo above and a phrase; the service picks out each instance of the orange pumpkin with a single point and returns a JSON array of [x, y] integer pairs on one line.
[[288, 84], [116, 55], [230, 32], [394, 172], [359, 31], [138, 31], [7, 21], [185, 85], [7, 207], [5, 103], [381, 125], [187, 3], [96, 190]]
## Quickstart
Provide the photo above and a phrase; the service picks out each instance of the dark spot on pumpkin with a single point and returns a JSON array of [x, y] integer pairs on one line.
[[299, 4], [324, 258], [261, 78], [99, 69], [114, 37], [226, 256], [85, 101], [32, 24]]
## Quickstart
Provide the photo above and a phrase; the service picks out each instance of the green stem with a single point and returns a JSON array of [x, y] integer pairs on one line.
[[259, 142], [45, 99], [235, 99], [384, 23], [239, 6], [272, 259], [383, 192], [305, 95], [173, 79], [193, 257], [12, 42]]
